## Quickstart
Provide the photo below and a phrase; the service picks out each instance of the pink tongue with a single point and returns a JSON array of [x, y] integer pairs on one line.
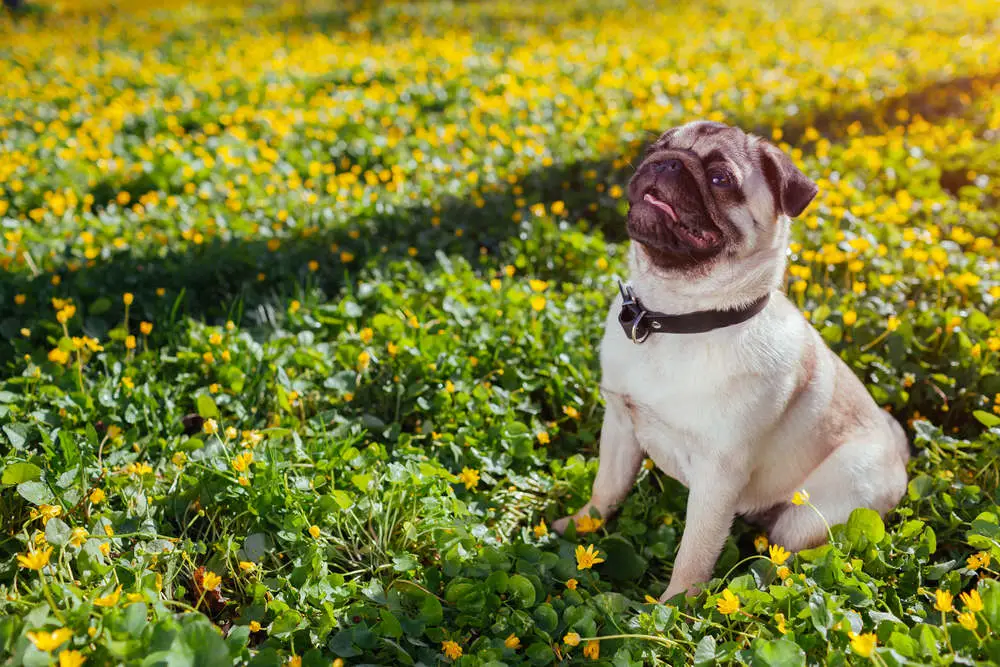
[[663, 206]]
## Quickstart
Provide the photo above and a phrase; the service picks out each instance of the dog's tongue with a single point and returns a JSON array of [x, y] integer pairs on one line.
[[662, 205]]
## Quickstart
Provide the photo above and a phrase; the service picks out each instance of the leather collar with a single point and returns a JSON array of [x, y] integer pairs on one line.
[[638, 323]]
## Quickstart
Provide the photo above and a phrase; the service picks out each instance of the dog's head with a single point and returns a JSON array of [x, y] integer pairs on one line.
[[706, 193]]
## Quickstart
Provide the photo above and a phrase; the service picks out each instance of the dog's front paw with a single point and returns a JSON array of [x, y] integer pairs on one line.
[[560, 525], [672, 591]]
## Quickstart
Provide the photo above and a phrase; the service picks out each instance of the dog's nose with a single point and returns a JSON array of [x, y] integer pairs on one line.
[[672, 165]]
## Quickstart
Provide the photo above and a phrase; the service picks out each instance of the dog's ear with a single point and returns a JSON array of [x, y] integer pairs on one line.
[[792, 190]]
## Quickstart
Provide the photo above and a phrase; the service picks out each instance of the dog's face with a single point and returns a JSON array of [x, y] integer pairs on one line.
[[707, 192]]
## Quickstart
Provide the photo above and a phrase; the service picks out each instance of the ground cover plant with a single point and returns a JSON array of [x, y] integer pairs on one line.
[[300, 307]]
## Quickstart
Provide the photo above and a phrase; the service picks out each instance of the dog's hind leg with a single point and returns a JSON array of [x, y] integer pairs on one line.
[[620, 461], [867, 471]]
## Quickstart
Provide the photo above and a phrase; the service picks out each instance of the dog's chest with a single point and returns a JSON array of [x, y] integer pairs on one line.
[[683, 395]]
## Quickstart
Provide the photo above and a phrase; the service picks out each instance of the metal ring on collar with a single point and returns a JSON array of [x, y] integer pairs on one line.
[[635, 325]]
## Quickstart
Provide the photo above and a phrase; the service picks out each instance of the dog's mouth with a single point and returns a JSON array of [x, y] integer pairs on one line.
[[692, 234]]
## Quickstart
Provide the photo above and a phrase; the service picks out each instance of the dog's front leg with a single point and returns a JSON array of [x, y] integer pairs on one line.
[[619, 464], [710, 511]]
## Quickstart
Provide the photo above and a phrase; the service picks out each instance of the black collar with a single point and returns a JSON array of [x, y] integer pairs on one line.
[[638, 322]]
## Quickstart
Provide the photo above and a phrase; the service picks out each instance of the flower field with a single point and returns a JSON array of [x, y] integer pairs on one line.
[[300, 311]]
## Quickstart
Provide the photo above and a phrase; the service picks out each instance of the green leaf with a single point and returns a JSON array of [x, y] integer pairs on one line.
[[57, 532], [36, 493], [704, 652], [19, 472], [521, 590], [206, 406], [546, 618], [986, 419], [990, 592], [819, 613], [389, 627], [540, 654], [100, 306], [622, 563], [865, 522], [778, 653]]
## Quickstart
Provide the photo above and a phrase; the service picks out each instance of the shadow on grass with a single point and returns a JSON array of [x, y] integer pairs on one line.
[[215, 281]]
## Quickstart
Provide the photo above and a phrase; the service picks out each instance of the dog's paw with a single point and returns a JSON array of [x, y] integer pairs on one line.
[[560, 525]]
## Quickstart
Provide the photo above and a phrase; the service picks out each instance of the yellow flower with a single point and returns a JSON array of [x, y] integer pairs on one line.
[[247, 566], [313, 265], [26, 332], [364, 359], [242, 461], [231, 433], [469, 477], [20, 299], [800, 497], [863, 645], [779, 618], [449, 387], [778, 554], [215, 338], [49, 641], [972, 601], [571, 412], [538, 285], [538, 303], [850, 317], [210, 426], [71, 659], [981, 559], [784, 572], [77, 537], [348, 257], [588, 524], [451, 649], [108, 530], [128, 383], [512, 642], [392, 349], [46, 512], [96, 496], [592, 649], [179, 459], [760, 544], [294, 306], [58, 356], [109, 600], [146, 328], [104, 548], [35, 560], [254, 626], [366, 335], [571, 638], [650, 599], [968, 620], [128, 298], [943, 601], [314, 531], [210, 581], [543, 438], [130, 342], [728, 603], [587, 558], [892, 323], [572, 584], [541, 530]]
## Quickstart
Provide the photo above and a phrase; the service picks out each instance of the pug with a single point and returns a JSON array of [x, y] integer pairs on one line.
[[711, 372]]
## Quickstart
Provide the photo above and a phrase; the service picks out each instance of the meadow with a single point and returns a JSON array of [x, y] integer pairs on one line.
[[300, 307]]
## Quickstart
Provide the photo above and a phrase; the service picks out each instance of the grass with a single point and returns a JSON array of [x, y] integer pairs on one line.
[[300, 307]]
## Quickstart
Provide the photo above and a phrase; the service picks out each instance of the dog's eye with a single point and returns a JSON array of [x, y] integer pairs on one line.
[[721, 179]]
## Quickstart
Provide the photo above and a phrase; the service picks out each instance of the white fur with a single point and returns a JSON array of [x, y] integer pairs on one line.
[[729, 414]]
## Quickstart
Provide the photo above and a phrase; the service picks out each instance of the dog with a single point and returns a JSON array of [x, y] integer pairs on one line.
[[711, 372]]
